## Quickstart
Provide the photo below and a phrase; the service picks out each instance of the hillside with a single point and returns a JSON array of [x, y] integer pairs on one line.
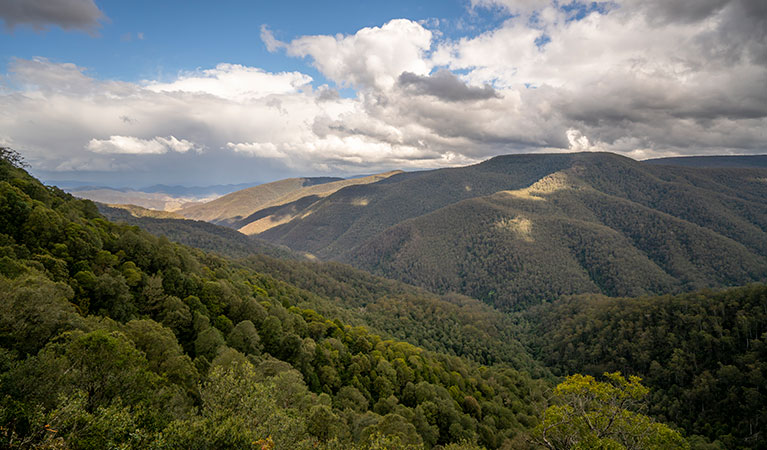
[[713, 162], [298, 203], [239, 204], [344, 220], [451, 324], [140, 211], [158, 201], [595, 223], [112, 336], [194, 233]]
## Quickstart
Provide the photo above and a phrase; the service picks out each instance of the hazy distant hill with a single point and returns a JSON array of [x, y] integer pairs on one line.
[[520, 229], [740, 161], [140, 211], [158, 197], [239, 204], [149, 200], [298, 203], [239, 209]]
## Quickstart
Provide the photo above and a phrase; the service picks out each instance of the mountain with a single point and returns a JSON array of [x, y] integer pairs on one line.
[[520, 229], [138, 211], [196, 191], [194, 233], [298, 203], [277, 202], [243, 202], [345, 219], [148, 200], [713, 162], [110, 336]]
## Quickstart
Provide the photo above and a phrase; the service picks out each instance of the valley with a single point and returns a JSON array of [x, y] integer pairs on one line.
[[443, 322]]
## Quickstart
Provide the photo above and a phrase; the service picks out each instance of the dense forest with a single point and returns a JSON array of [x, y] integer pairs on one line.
[[111, 335], [114, 337], [704, 354], [604, 225]]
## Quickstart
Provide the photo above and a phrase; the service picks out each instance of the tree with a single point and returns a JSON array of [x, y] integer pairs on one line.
[[593, 414], [13, 157]]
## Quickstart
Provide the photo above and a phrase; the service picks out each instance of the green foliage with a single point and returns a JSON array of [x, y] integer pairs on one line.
[[703, 354], [111, 335], [592, 414]]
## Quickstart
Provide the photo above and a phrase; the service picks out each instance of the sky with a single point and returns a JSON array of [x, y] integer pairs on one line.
[[197, 93]]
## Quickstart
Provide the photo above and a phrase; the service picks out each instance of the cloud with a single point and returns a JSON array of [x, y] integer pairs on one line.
[[40, 14], [444, 85], [372, 57], [272, 44], [512, 6], [234, 82], [605, 79], [135, 146]]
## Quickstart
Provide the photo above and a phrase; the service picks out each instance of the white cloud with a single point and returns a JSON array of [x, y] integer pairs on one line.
[[234, 82], [372, 57], [271, 43], [610, 81], [136, 146]]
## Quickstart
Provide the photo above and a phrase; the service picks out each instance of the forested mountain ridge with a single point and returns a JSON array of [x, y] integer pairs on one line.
[[562, 236], [583, 222], [110, 336], [196, 233], [341, 222]]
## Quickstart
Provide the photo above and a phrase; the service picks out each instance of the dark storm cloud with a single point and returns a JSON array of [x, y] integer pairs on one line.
[[68, 14], [445, 86], [684, 11]]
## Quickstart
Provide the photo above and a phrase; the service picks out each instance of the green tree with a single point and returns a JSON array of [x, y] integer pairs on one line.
[[593, 414]]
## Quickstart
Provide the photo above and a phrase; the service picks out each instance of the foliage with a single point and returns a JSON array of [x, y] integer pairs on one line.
[[111, 335], [590, 414], [13, 157], [703, 354]]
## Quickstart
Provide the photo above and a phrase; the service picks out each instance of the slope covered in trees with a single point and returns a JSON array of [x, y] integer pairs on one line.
[[109, 335], [451, 324], [195, 233], [616, 230], [703, 354], [519, 229]]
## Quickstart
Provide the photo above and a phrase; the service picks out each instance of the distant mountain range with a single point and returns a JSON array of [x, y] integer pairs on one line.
[[520, 229], [279, 202], [168, 198]]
